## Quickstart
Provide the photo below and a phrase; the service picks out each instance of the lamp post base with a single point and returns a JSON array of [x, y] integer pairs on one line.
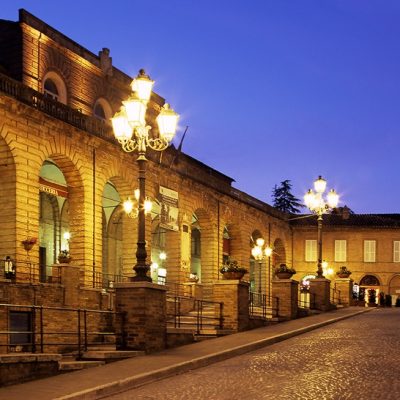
[[141, 273]]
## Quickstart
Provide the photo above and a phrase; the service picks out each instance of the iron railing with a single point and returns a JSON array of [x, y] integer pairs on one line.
[[194, 313], [306, 299], [31, 273], [55, 109], [263, 306], [176, 289], [40, 329], [335, 296], [106, 281]]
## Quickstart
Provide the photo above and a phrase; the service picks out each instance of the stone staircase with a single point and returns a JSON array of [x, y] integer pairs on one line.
[[94, 357], [208, 329]]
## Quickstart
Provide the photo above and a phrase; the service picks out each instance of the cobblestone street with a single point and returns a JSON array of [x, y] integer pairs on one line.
[[357, 358]]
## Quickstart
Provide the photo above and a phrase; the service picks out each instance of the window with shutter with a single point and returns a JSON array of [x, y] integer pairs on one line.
[[369, 250], [340, 250], [396, 251], [311, 250]]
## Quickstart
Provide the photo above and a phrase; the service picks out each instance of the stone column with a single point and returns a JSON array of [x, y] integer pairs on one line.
[[287, 291], [145, 321], [345, 286], [235, 296], [70, 278], [320, 294]]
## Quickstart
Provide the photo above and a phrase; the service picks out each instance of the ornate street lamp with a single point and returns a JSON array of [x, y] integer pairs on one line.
[[131, 131], [317, 205], [260, 252]]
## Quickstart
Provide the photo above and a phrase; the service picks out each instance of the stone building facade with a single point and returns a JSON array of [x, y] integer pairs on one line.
[[367, 244], [63, 178], [63, 172]]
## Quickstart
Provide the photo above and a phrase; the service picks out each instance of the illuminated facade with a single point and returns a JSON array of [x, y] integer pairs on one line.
[[64, 179]]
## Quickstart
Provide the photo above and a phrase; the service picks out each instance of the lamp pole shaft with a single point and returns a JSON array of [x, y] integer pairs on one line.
[[141, 268], [259, 277], [269, 281], [320, 273]]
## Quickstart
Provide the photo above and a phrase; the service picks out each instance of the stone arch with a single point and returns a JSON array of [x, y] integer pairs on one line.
[[279, 253], [49, 234], [123, 242], [208, 249], [394, 284], [76, 195], [370, 280], [7, 201], [102, 110], [53, 85], [257, 268]]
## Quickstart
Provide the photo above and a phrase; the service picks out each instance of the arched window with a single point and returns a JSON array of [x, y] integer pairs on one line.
[[54, 87], [50, 89], [196, 242], [102, 110], [99, 111], [226, 245]]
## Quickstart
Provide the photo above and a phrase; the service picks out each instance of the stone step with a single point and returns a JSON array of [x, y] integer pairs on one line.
[[112, 355], [78, 365]]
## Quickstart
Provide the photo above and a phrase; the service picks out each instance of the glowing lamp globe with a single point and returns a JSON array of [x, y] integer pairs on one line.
[[320, 184], [121, 128], [142, 85], [135, 111], [167, 122]]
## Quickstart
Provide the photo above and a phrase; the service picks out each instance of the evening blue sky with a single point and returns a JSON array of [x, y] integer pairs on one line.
[[271, 90]]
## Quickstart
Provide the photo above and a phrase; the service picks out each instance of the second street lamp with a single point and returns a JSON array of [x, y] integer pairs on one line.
[[319, 206], [259, 252], [131, 131]]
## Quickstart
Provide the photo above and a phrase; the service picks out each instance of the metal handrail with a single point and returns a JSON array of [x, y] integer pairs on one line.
[[40, 336], [198, 308], [103, 280], [263, 306]]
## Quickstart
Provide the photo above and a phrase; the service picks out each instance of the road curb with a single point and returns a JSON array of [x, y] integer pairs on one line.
[[122, 385]]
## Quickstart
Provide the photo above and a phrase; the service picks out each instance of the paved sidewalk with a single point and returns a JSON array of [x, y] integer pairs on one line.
[[96, 383]]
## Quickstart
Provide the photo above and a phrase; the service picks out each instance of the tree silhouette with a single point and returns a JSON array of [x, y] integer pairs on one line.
[[284, 200]]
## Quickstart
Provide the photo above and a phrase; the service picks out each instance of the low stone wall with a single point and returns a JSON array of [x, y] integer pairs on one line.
[[25, 367], [63, 322]]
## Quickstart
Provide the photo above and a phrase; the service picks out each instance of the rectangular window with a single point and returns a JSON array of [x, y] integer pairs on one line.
[[311, 250], [396, 251], [369, 250], [340, 250]]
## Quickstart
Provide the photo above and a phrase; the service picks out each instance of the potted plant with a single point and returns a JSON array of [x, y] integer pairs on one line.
[[64, 257], [29, 243], [343, 272], [193, 277], [284, 272], [231, 270]]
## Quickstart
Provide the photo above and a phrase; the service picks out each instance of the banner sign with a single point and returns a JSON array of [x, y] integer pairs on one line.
[[52, 188], [169, 208]]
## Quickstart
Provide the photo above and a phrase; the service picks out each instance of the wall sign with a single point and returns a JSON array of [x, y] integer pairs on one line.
[[169, 208]]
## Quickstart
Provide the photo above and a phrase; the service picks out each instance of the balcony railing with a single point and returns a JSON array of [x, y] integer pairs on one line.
[[55, 109]]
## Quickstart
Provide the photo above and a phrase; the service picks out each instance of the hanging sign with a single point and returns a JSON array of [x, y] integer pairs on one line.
[[52, 188], [169, 208]]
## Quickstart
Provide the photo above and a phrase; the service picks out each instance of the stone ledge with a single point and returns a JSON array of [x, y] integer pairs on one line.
[[139, 285], [28, 358], [231, 282]]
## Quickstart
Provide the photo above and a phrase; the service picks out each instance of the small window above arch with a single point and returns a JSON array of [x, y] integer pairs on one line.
[[54, 87], [102, 110]]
